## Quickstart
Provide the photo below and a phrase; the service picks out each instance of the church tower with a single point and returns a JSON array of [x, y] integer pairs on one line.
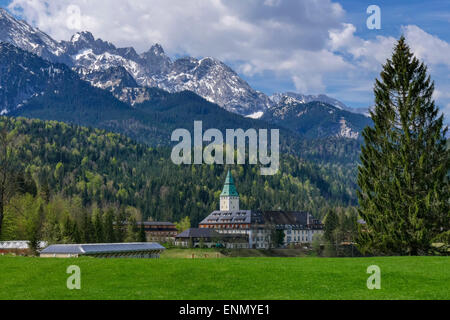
[[229, 199]]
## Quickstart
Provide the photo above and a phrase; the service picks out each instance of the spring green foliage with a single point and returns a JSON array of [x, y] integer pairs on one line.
[[10, 182], [65, 220], [340, 234], [184, 224], [405, 192]]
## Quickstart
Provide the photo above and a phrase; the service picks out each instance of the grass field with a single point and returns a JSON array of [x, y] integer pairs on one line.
[[234, 253], [226, 278]]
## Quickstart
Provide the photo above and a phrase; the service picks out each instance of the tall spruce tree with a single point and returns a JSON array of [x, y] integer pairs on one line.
[[404, 188], [331, 225]]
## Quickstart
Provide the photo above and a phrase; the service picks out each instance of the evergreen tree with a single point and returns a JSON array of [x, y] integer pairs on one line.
[[331, 225], [88, 228], [142, 235], [35, 229], [277, 237], [30, 184], [7, 167], [108, 222], [98, 227], [404, 194], [68, 230], [45, 191], [132, 234], [120, 225]]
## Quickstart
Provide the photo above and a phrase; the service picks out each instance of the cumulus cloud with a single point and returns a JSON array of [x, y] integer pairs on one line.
[[427, 47], [212, 27], [368, 54]]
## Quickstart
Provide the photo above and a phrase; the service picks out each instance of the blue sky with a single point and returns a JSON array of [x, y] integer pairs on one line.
[[304, 46]]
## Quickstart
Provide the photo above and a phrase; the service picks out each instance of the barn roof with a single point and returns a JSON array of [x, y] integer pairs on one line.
[[101, 248], [233, 217], [286, 217], [198, 233]]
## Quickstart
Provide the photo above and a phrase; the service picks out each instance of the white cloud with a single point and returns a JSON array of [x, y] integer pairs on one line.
[[368, 54], [199, 27], [427, 47]]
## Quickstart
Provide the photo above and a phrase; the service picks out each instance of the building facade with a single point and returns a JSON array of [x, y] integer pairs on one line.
[[208, 238], [159, 231], [260, 226]]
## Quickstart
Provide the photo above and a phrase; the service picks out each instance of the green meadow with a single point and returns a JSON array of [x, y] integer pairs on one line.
[[226, 278]]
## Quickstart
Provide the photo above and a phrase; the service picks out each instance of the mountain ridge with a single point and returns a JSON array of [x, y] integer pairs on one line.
[[130, 77], [208, 77]]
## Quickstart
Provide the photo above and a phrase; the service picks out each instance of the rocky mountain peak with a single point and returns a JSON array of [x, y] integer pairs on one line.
[[83, 36], [155, 61], [86, 40], [157, 50], [3, 13]]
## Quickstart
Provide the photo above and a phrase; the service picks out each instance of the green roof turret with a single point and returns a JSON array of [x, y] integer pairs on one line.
[[229, 190]]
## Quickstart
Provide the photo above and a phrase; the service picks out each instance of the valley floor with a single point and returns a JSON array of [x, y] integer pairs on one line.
[[224, 278]]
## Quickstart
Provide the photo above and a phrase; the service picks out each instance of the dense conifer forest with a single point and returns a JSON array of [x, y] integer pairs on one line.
[[66, 175]]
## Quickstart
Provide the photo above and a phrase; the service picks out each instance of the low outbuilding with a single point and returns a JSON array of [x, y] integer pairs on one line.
[[19, 247], [143, 250]]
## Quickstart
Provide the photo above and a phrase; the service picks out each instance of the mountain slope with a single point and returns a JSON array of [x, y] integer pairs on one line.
[[301, 98], [24, 75], [208, 77], [127, 74], [22, 35], [36, 88], [54, 92], [315, 119]]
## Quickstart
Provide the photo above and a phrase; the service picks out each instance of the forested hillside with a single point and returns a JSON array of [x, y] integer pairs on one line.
[[35, 88], [77, 171]]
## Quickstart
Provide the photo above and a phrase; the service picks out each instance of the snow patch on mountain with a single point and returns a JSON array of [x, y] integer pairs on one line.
[[346, 131], [256, 115]]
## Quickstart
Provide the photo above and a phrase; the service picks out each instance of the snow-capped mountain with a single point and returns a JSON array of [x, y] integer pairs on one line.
[[128, 74], [24, 76], [314, 118], [22, 35], [92, 58], [301, 98], [208, 77]]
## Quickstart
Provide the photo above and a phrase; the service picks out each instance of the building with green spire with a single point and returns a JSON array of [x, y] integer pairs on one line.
[[255, 229], [229, 199]]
